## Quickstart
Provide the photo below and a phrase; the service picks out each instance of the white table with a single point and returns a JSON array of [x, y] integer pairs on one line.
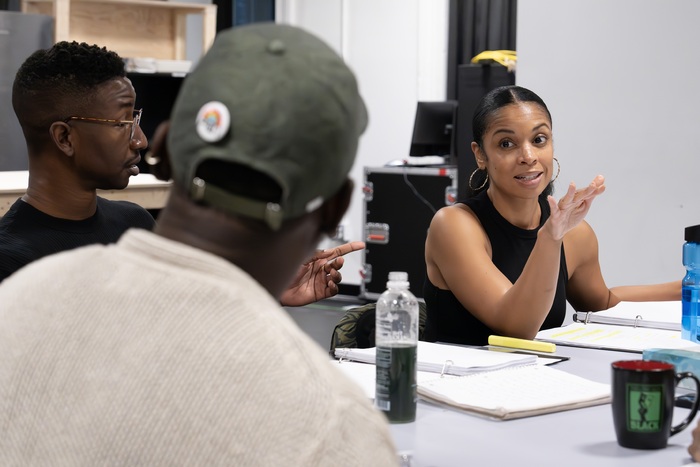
[[143, 189], [584, 437]]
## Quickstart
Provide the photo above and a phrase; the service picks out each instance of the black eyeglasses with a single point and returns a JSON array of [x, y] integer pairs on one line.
[[120, 123]]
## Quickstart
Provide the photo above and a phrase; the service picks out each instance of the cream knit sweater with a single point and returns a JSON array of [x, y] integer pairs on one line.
[[153, 353]]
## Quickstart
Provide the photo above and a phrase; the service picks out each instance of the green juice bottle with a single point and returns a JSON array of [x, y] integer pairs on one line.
[[397, 341]]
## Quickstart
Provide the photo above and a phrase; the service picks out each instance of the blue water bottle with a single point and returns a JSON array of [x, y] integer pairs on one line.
[[691, 284]]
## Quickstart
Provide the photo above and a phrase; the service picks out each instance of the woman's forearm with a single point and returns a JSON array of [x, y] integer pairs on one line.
[[666, 291]]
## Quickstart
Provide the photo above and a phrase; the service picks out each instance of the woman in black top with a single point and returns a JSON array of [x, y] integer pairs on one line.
[[506, 260]]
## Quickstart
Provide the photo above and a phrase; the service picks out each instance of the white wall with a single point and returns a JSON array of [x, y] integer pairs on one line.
[[398, 50], [621, 78]]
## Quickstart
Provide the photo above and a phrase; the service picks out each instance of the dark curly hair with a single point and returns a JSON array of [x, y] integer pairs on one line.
[[55, 83]]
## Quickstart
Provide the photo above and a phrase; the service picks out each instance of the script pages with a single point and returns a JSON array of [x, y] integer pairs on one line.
[[495, 384], [364, 375], [516, 392], [657, 315], [613, 337], [628, 326], [447, 359]]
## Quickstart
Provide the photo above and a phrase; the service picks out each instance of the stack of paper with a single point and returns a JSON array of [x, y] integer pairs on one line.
[[516, 392], [447, 359], [153, 65]]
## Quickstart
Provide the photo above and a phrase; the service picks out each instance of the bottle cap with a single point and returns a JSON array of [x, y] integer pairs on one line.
[[692, 234], [401, 276], [398, 279]]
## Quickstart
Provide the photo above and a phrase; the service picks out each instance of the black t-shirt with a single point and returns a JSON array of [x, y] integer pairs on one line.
[[448, 321], [27, 234]]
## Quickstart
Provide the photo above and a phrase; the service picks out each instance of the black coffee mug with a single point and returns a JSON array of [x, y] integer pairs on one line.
[[643, 394]]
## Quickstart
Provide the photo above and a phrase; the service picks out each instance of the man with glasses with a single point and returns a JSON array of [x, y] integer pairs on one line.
[[76, 109], [133, 123]]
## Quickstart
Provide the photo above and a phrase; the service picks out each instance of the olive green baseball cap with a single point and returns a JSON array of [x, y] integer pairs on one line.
[[278, 100]]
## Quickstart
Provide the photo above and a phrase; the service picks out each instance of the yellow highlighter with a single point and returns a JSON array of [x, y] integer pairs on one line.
[[523, 344]]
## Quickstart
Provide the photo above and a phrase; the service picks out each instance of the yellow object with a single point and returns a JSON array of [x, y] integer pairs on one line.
[[523, 344], [507, 58]]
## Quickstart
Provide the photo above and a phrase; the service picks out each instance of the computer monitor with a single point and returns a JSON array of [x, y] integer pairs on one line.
[[434, 129]]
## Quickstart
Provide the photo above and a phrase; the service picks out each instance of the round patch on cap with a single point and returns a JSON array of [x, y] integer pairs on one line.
[[276, 47], [213, 121]]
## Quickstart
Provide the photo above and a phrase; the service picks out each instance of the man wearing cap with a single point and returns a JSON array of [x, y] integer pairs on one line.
[[170, 347], [76, 108]]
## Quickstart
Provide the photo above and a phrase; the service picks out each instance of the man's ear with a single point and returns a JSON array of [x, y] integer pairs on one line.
[[158, 157], [335, 208], [60, 133]]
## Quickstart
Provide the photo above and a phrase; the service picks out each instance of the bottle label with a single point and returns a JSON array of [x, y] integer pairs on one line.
[[395, 392], [691, 313], [396, 325]]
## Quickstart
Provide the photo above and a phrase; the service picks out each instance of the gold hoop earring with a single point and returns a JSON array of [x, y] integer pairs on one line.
[[471, 177], [558, 169]]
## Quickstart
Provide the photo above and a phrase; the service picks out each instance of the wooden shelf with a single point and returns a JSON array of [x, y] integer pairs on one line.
[[132, 28]]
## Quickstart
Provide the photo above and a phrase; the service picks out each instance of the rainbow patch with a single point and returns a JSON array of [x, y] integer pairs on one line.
[[213, 121]]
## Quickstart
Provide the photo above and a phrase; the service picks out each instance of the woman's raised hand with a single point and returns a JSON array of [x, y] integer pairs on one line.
[[572, 208]]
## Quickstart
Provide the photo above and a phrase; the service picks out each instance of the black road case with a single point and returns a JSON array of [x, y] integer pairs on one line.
[[399, 203]]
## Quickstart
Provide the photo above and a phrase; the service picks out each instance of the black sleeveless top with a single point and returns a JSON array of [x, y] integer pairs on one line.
[[448, 321]]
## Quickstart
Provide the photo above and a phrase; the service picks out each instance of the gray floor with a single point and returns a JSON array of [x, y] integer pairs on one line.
[[319, 319]]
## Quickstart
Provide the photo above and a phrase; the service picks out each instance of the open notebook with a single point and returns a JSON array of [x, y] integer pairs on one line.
[[614, 337], [447, 359], [508, 393], [657, 315], [516, 392], [364, 374], [628, 326]]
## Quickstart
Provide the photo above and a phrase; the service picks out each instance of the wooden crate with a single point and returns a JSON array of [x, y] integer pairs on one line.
[[132, 28]]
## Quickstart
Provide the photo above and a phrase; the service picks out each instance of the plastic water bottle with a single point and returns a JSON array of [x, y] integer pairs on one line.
[[691, 284], [397, 341]]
